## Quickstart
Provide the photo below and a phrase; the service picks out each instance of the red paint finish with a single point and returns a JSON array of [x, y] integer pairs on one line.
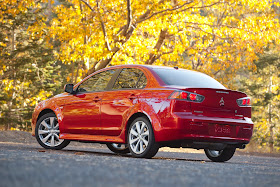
[[82, 113], [103, 116], [115, 109]]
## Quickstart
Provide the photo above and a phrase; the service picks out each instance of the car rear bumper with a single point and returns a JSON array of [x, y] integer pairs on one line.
[[194, 128]]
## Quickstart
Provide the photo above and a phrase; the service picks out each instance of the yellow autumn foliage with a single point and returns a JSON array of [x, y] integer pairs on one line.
[[216, 37]]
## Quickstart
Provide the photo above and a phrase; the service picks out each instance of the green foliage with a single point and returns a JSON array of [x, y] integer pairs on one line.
[[28, 71], [263, 86]]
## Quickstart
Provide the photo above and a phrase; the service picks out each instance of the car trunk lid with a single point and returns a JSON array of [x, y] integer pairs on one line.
[[217, 103]]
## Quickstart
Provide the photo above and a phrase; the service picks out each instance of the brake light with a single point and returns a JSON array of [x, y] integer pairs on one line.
[[184, 95], [193, 97], [245, 101]]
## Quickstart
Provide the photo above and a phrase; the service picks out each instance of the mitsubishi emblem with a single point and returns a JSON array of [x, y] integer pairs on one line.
[[222, 102]]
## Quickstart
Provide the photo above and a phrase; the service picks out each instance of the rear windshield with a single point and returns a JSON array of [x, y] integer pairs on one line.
[[187, 78]]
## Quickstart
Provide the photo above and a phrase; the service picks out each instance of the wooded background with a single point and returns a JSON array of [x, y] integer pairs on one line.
[[46, 44]]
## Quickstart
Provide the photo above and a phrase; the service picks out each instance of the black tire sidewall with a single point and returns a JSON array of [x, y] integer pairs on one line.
[[60, 146], [226, 155], [113, 149]]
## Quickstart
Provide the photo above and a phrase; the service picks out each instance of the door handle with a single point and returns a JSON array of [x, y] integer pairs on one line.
[[132, 96], [96, 99]]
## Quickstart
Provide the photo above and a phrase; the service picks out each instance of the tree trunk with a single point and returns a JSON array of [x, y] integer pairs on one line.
[[77, 72], [271, 141], [104, 62], [13, 40], [49, 10], [8, 122], [72, 71], [6, 126], [127, 31], [152, 56]]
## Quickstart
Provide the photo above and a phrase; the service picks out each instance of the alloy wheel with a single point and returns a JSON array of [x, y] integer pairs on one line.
[[139, 137], [119, 146], [48, 132], [215, 153]]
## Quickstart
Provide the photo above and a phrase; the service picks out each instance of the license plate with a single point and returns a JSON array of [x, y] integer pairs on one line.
[[222, 129]]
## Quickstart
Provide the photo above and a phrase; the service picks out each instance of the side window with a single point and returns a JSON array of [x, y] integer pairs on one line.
[[142, 81], [96, 82], [129, 78]]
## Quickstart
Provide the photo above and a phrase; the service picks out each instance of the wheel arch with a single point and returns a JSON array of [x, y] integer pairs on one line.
[[152, 119], [43, 112], [134, 116]]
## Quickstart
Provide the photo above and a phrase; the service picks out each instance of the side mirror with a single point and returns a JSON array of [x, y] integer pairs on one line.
[[69, 88]]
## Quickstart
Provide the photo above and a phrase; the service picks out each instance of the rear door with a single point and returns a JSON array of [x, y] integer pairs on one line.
[[117, 103], [82, 110]]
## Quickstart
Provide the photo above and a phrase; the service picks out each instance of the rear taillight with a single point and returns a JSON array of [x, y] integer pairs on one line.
[[245, 101], [193, 97]]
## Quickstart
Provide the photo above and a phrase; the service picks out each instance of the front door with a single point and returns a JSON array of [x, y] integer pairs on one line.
[[82, 113], [82, 109]]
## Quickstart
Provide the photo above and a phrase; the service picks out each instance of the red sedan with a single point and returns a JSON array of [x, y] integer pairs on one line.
[[138, 109]]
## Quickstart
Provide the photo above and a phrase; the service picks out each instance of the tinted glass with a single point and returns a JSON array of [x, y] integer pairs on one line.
[[142, 81], [187, 78], [96, 82], [129, 78]]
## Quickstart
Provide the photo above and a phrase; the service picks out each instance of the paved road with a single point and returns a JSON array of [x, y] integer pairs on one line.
[[29, 165]]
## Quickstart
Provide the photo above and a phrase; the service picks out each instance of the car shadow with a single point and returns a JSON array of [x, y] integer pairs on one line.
[[103, 153]]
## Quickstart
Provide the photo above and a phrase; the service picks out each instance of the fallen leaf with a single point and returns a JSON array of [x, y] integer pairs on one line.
[[79, 153]]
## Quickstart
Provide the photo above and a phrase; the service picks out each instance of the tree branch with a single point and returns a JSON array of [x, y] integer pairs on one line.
[[163, 53], [140, 18], [129, 17], [145, 16], [103, 27], [206, 6], [127, 30], [198, 28], [101, 22], [90, 7], [219, 25], [162, 11], [152, 56], [219, 21]]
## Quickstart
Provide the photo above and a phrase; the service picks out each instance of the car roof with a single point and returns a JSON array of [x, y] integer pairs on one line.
[[140, 65], [151, 67], [148, 67]]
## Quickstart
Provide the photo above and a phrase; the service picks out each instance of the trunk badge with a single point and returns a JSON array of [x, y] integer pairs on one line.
[[222, 102]]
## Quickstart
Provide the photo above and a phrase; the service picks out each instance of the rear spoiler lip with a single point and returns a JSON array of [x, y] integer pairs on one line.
[[218, 90]]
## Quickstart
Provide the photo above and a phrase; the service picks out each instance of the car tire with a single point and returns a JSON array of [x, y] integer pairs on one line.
[[47, 132], [118, 148], [141, 139], [220, 156]]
